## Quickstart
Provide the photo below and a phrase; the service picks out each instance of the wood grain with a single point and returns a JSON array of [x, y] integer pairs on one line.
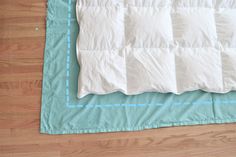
[[22, 38]]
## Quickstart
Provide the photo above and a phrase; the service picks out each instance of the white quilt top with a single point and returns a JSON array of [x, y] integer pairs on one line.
[[137, 46]]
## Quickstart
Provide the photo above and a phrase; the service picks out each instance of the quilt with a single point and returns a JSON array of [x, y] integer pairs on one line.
[[63, 113], [137, 46]]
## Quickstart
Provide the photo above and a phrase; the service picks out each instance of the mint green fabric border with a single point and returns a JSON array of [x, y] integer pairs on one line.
[[63, 113]]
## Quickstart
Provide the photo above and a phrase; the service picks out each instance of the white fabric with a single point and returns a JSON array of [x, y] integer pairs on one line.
[[137, 46]]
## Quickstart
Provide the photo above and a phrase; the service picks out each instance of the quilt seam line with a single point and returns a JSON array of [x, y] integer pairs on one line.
[[68, 55]]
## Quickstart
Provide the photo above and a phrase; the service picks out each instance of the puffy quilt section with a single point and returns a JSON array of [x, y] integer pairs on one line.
[[136, 46]]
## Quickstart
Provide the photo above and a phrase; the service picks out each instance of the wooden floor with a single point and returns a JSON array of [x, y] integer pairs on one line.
[[22, 37]]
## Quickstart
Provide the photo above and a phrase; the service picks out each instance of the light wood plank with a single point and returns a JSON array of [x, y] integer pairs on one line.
[[33, 154]]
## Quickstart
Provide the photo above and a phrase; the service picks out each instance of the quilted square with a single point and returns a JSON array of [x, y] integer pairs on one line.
[[191, 29], [102, 64], [226, 27], [198, 68], [148, 27], [157, 72], [101, 28]]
